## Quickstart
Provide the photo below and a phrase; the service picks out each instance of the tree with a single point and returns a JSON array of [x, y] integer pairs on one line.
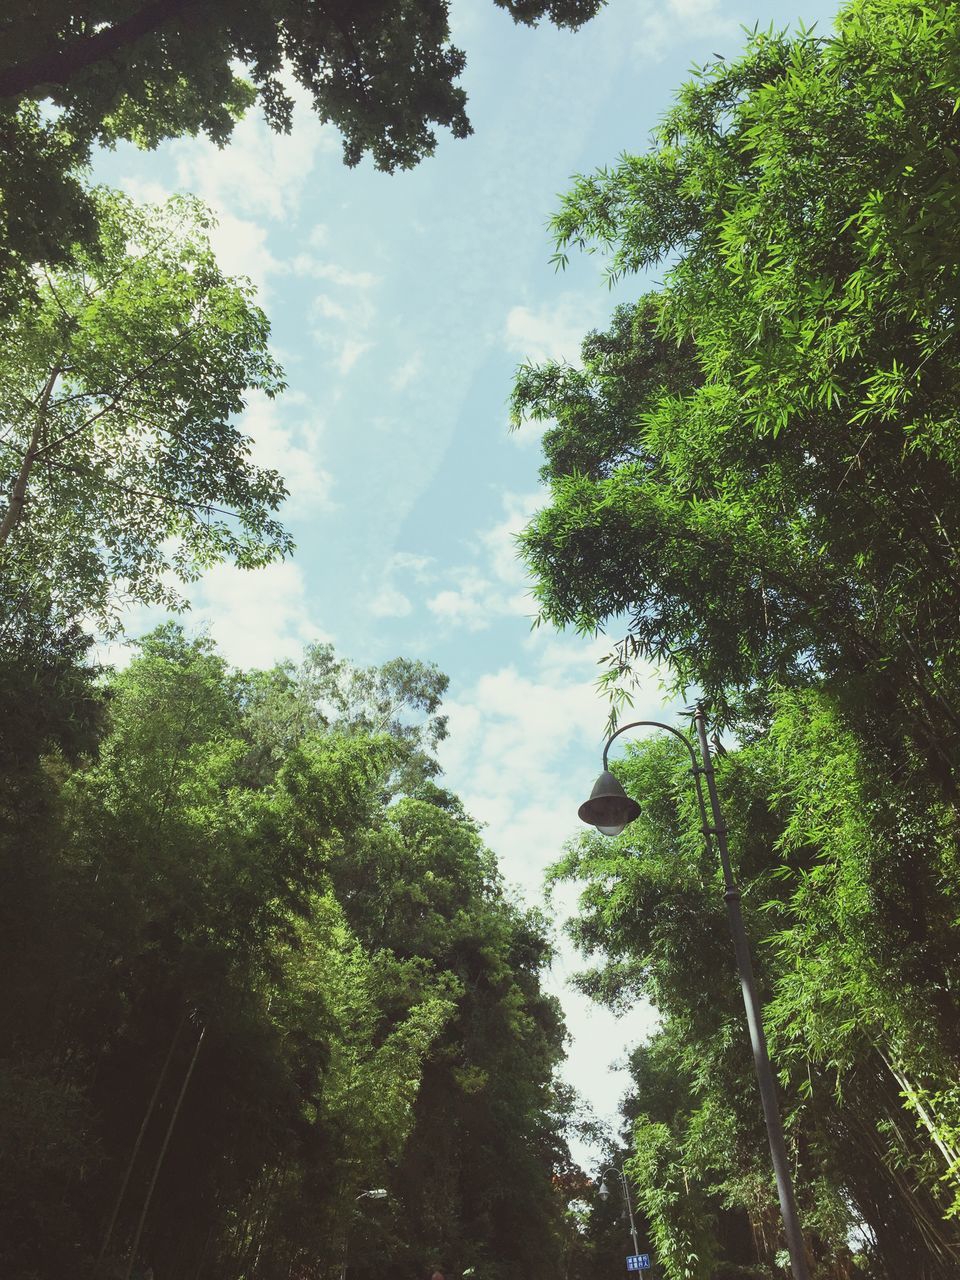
[[382, 71], [757, 465], [245, 971], [119, 461]]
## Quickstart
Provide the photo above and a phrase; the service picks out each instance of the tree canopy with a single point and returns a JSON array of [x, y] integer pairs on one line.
[[754, 473], [120, 458], [254, 964], [383, 72], [850, 898], [756, 465]]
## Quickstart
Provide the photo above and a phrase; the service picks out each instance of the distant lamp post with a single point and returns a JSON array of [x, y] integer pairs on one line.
[[603, 1190], [375, 1193], [610, 809]]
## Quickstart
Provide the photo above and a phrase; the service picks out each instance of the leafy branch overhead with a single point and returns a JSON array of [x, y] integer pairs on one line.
[[384, 73]]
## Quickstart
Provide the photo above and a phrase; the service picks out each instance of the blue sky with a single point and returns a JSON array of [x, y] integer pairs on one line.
[[401, 306]]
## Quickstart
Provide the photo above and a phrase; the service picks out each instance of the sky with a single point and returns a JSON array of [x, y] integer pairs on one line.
[[401, 306]]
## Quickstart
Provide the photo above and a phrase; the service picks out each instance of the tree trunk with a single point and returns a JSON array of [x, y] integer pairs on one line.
[[163, 1151], [18, 494], [136, 1148]]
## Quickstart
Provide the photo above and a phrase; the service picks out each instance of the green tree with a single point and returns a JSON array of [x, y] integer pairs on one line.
[[757, 465], [755, 472], [118, 460], [248, 971], [384, 72]]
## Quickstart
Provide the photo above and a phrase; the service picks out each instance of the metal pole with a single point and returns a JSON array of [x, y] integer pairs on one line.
[[768, 1088], [625, 1187]]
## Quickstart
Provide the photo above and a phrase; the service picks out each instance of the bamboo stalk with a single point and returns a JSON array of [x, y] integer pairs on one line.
[[163, 1151], [136, 1148]]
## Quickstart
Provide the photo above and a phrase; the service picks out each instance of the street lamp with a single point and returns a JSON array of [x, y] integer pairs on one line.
[[604, 1193], [375, 1193], [610, 809]]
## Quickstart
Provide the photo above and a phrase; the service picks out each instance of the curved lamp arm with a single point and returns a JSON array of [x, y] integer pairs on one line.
[[651, 724], [625, 1192], [607, 785]]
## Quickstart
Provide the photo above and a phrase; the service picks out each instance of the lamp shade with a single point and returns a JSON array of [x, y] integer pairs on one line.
[[609, 808]]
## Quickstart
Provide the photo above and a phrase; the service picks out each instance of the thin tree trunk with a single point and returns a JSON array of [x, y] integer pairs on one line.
[[950, 1154], [18, 494], [163, 1151], [203, 1251], [136, 1149]]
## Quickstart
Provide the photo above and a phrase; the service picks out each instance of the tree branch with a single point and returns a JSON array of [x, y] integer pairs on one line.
[[136, 377], [60, 66]]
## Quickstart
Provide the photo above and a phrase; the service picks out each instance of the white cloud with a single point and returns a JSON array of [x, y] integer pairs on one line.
[[474, 603], [256, 616], [407, 372], [554, 331], [341, 325], [241, 250], [499, 585], [389, 602], [290, 444], [408, 562], [500, 541], [259, 172], [305, 264], [514, 728], [666, 24], [257, 179], [350, 353]]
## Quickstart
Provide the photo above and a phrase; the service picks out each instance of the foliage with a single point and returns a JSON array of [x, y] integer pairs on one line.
[[755, 471], [233, 928], [119, 462], [383, 72], [757, 464]]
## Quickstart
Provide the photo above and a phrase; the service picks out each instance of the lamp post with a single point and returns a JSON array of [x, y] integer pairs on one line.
[[375, 1193], [603, 1193], [610, 809]]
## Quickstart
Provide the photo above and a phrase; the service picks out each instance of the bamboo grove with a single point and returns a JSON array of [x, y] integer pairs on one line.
[[754, 482]]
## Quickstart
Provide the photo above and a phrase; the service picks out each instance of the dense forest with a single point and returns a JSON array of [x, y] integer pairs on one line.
[[258, 963], [268, 1009]]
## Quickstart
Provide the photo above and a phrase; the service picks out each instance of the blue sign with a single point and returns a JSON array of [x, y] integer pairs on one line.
[[638, 1261]]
